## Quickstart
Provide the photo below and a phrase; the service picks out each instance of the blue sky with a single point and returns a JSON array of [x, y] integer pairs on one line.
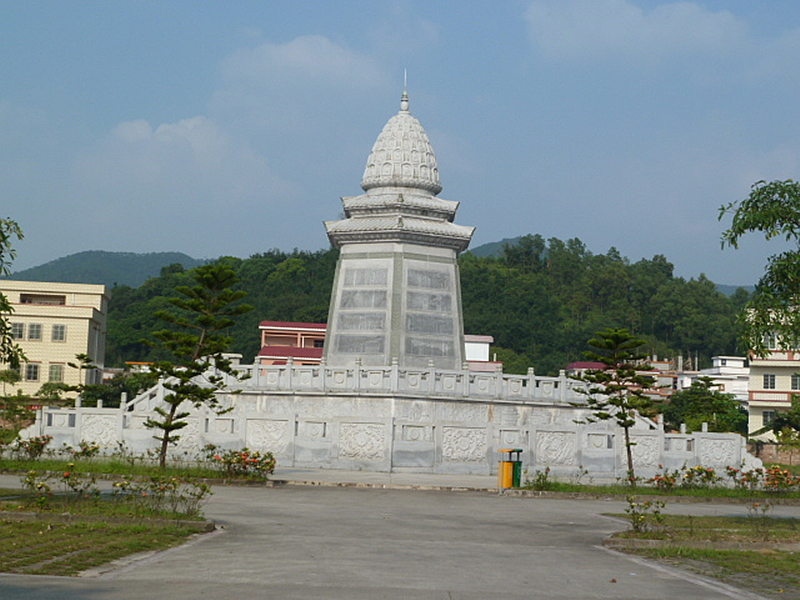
[[229, 128]]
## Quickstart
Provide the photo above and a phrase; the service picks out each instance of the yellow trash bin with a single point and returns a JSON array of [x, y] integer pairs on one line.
[[509, 473]]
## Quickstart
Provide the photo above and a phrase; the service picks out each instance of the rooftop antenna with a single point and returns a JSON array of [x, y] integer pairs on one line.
[[404, 100]]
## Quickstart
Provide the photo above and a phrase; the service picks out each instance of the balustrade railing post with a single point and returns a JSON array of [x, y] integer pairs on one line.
[[357, 375], [289, 370], [394, 375], [323, 380], [531, 383], [498, 392]]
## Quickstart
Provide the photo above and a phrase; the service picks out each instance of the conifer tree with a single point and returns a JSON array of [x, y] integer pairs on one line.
[[196, 342], [617, 390]]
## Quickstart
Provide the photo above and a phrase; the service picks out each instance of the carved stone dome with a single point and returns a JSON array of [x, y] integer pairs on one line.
[[402, 156]]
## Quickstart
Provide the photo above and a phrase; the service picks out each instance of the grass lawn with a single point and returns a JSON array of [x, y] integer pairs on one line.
[[764, 569], [54, 548], [109, 466], [72, 533]]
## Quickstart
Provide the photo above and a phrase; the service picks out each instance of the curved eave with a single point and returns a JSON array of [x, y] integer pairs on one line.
[[396, 229]]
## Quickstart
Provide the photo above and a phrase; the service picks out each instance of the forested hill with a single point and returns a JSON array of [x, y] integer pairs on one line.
[[109, 268], [540, 299]]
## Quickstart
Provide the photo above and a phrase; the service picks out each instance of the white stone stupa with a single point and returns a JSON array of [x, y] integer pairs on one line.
[[396, 293]]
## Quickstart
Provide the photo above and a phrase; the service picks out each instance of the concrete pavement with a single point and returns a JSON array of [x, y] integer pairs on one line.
[[325, 541]]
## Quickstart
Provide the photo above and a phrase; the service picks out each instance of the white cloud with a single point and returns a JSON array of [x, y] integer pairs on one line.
[[596, 30], [307, 58], [175, 164]]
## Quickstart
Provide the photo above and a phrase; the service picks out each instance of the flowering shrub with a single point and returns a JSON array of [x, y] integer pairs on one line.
[[699, 477], [777, 479], [665, 479], [37, 484], [80, 485], [33, 447], [86, 450], [644, 515], [244, 463], [174, 494], [746, 480]]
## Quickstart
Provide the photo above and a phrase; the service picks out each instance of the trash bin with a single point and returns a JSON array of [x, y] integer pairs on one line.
[[509, 474]]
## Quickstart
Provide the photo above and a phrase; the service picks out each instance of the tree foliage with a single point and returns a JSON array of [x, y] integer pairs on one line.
[[618, 391], [10, 352], [196, 342], [702, 403], [540, 299], [772, 209]]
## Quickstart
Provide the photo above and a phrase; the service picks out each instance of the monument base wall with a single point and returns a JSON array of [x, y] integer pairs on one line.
[[385, 432]]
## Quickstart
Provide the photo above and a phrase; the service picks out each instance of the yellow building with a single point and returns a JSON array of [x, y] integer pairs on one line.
[[52, 323]]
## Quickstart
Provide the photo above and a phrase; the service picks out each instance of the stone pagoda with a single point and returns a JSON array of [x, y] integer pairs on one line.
[[397, 293]]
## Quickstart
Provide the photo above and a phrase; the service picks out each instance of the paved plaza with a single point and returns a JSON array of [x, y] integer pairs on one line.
[[327, 541]]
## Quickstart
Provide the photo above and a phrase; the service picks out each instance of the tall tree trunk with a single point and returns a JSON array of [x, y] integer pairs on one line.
[[629, 454]]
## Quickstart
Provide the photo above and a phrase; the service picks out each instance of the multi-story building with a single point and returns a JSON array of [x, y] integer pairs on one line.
[[54, 322], [774, 379], [281, 340]]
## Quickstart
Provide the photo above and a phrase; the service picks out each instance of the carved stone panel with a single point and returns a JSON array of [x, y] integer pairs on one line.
[[513, 438], [466, 413], [717, 452], [645, 451], [101, 429], [312, 429], [267, 435], [556, 448], [190, 436], [362, 441], [600, 441], [414, 410], [417, 433], [462, 444]]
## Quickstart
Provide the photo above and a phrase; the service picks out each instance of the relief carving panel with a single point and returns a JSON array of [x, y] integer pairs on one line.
[[362, 441], [717, 452], [556, 448], [463, 444], [644, 450], [267, 435], [101, 429]]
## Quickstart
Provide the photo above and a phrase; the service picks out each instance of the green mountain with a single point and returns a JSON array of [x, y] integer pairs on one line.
[[494, 249], [109, 268]]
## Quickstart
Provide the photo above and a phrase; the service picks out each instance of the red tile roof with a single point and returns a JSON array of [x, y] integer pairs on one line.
[[585, 364], [291, 325]]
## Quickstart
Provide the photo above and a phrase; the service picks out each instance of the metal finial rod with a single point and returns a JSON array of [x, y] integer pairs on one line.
[[404, 100]]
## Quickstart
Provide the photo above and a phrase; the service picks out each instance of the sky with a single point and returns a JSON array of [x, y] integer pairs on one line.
[[231, 128]]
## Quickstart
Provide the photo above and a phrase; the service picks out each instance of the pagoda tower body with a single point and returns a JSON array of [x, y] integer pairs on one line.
[[397, 292]]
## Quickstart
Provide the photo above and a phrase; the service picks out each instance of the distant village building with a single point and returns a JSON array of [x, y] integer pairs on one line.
[[52, 323], [774, 379], [303, 343], [282, 340]]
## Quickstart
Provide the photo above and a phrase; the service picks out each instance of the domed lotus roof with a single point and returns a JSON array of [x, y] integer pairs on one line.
[[402, 156]]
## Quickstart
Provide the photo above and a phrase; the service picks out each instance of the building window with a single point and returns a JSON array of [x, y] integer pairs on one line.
[[796, 381], [34, 331], [769, 381], [18, 331], [56, 373], [319, 343], [59, 333], [768, 416], [771, 342], [31, 372]]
